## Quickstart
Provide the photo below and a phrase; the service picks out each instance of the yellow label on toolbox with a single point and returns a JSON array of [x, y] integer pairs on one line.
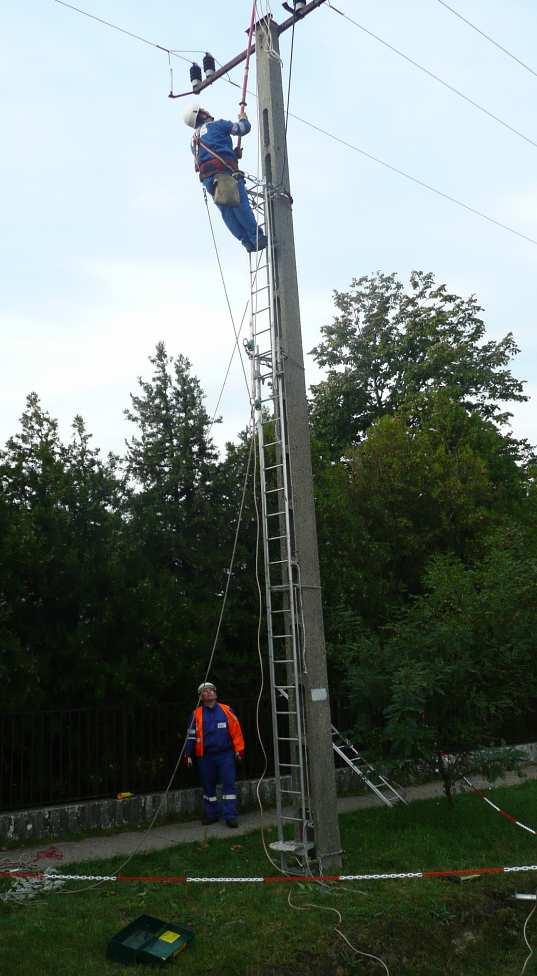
[[169, 936]]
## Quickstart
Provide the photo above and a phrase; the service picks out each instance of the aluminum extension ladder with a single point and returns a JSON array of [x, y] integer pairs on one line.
[[282, 590], [378, 784]]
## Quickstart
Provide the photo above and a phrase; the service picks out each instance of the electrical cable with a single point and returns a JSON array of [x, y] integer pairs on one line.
[[231, 358], [329, 908], [416, 180], [487, 37], [129, 33], [225, 290], [530, 954], [431, 74], [284, 163]]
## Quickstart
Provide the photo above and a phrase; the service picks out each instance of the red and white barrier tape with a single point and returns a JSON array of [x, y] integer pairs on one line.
[[508, 816], [271, 879]]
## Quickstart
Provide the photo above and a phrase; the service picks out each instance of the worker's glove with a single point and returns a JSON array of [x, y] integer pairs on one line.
[[239, 756], [188, 761]]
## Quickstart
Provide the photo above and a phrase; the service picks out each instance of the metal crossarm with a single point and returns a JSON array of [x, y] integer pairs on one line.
[[282, 591]]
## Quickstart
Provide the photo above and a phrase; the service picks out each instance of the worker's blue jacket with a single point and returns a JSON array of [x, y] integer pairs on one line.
[[212, 731], [212, 146]]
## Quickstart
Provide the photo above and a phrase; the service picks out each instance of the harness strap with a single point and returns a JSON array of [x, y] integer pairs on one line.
[[198, 142]]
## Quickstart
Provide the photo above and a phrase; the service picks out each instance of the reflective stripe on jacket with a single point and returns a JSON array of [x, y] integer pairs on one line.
[[231, 735]]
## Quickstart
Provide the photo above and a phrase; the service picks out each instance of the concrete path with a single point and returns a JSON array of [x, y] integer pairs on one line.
[[124, 844]]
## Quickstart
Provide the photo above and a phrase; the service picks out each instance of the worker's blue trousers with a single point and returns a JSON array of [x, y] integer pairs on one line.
[[239, 220], [213, 769]]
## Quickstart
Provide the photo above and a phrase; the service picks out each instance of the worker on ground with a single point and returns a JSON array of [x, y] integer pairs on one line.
[[215, 739], [215, 158]]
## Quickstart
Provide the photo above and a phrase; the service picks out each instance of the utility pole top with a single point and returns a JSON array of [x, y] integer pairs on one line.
[[239, 58]]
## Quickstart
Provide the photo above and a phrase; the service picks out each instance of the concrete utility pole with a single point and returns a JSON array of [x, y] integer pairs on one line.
[[315, 682]]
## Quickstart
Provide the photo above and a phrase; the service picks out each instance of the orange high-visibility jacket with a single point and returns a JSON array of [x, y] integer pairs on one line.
[[233, 727]]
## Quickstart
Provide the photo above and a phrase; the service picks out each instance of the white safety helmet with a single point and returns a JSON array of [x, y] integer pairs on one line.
[[191, 113], [204, 685]]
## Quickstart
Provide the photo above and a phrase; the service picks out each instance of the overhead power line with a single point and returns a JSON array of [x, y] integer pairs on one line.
[[414, 179], [129, 33], [331, 135], [487, 37], [431, 74]]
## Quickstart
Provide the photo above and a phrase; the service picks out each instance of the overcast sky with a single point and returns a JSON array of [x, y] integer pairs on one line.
[[106, 247]]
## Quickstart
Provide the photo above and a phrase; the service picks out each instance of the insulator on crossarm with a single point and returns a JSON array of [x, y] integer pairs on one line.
[[195, 77], [209, 65], [299, 4]]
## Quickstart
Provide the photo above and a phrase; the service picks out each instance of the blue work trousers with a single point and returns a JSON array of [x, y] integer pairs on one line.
[[239, 220], [218, 768]]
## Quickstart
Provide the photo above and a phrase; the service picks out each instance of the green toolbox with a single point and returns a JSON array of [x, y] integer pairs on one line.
[[148, 940]]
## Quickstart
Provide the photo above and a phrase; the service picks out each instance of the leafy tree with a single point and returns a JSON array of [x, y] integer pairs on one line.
[[60, 503], [458, 663], [174, 539], [434, 483], [389, 344]]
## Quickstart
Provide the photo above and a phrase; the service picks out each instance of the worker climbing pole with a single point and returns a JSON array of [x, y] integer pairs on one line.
[[216, 161], [304, 763]]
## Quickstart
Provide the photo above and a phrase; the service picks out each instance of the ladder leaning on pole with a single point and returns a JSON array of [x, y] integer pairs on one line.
[[282, 590]]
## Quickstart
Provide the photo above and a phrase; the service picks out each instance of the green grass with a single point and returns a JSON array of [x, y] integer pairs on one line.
[[421, 928]]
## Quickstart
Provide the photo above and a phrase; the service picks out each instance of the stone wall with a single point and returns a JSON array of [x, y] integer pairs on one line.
[[52, 823]]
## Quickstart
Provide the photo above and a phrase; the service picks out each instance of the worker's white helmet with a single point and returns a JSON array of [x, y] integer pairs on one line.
[[204, 685], [190, 114]]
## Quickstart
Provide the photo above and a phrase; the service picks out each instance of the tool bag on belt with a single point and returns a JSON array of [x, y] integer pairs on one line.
[[226, 190]]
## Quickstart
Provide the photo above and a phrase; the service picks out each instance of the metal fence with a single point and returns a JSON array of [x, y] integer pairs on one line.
[[64, 755]]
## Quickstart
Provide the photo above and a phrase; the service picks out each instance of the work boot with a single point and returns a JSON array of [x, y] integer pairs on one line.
[[258, 245], [232, 822]]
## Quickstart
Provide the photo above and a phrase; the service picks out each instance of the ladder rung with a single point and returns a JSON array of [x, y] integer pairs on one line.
[[285, 713], [272, 444], [258, 332], [296, 819], [284, 661], [275, 538], [288, 738], [259, 311], [270, 491], [274, 514], [277, 562], [280, 637], [287, 610], [294, 792], [267, 399], [280, 587], [290, 765], [272, 467]]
